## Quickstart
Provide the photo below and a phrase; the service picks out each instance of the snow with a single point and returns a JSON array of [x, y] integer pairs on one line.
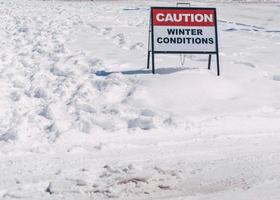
[[82, 118]]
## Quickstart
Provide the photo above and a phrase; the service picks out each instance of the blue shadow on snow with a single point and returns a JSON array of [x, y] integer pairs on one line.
[[142, 71]]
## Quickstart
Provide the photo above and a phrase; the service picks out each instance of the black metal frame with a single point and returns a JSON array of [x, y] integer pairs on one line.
[[151, 40]]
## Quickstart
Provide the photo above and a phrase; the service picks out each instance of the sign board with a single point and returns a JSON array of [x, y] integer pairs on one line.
[[183, 30]]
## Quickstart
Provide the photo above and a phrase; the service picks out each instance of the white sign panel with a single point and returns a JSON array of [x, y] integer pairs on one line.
[[186, 30]]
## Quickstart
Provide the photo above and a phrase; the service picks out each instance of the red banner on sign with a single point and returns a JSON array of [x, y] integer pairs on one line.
[[181, 17]]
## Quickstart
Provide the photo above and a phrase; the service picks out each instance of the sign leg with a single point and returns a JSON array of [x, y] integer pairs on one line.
[[153, 63], [152, 42], [149, 50], [217, 46], [148, 59], [218, 64], [209, 61]]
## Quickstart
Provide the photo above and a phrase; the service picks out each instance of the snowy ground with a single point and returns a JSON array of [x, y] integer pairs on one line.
[[81, 117]]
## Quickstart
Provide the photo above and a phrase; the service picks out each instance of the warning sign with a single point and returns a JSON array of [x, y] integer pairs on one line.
[[184, 29]]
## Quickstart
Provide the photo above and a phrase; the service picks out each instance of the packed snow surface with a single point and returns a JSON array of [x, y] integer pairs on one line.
[[82, 118]]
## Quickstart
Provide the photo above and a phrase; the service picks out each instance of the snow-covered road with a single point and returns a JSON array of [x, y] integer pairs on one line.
[[81, 117]]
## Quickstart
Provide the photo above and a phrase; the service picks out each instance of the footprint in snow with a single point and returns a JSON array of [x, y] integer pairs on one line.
[[138, 45], [144, 123], [276, 77], [10, 134], [247, 64], [15, 96], [119, 39], [107, 31]]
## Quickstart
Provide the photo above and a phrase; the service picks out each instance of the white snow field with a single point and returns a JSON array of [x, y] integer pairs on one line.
[[81, 117]]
